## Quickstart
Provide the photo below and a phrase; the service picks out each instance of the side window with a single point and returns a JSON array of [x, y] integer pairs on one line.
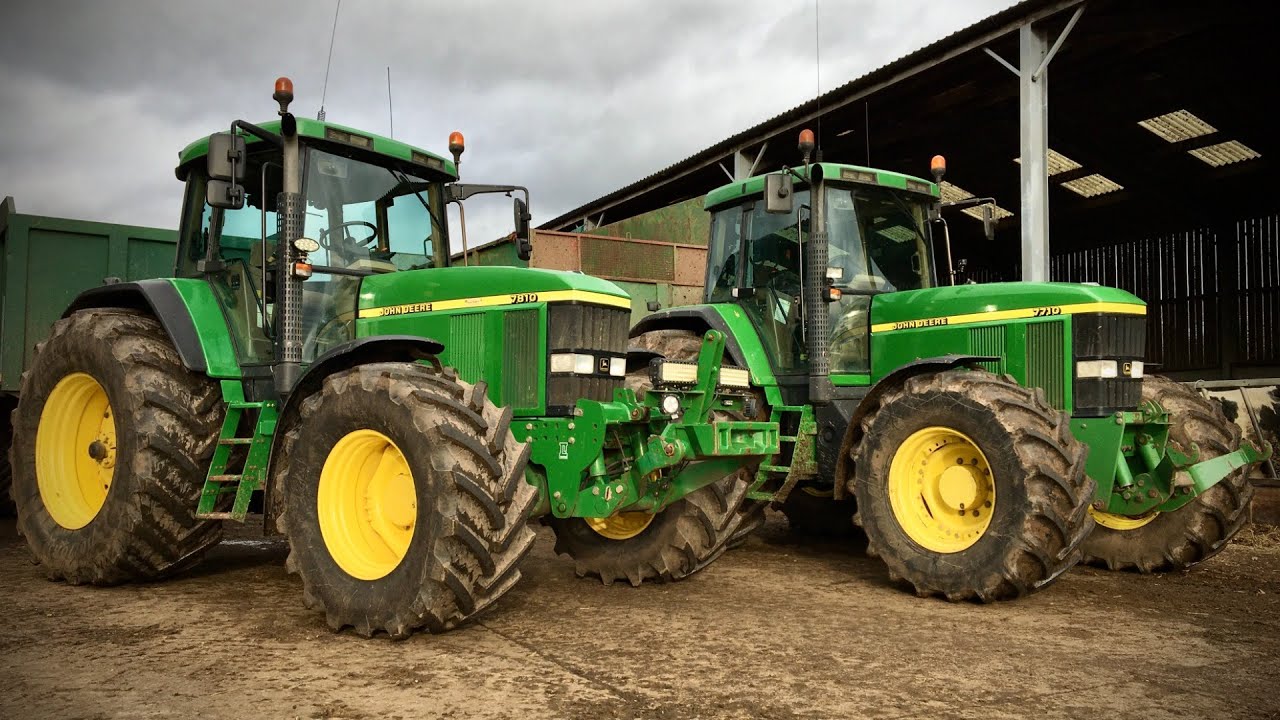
[[722, 257]]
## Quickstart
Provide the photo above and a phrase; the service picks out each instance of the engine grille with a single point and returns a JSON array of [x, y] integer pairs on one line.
[[600, 331], [1096, 336]]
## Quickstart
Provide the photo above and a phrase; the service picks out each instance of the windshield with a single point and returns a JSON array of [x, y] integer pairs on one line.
[[367, 218], [877, 240]]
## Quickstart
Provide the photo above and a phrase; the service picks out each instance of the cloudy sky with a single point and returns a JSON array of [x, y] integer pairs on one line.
[[573, 98]]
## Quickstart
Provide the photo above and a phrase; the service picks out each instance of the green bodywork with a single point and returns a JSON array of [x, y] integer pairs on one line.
[[1023, 330], [319, 129], [598, 458]]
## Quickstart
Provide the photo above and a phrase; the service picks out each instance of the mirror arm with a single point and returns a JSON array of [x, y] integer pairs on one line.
[[254, 130], [461, 191], [968, 203]]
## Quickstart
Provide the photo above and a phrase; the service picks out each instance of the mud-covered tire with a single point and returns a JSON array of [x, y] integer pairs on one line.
[[472, 501], [1041, 493], [686, 536], [682, 539], [167, 424], [819, 515], [7, 404], [1203, 527]]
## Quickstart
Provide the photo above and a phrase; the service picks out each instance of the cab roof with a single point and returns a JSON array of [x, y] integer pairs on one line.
[[340, 134], [738, 190]]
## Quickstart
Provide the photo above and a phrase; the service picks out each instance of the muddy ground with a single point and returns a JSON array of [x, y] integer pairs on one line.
[[778, 629]]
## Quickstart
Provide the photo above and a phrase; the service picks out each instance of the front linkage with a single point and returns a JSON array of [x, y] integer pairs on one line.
[[1139, 471], [642, 455]]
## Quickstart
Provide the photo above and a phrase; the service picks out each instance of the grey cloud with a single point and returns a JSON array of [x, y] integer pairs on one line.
[[573, 99]]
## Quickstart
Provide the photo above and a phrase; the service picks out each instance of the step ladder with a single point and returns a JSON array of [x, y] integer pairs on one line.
[[803, 461], [250, 476]]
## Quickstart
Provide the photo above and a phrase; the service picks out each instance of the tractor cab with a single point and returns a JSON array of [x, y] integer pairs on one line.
[[878, 241], [370, 205], [366, 213]]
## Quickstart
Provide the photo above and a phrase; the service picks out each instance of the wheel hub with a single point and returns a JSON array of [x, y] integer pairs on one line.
[[622, 526], [941, 489], [75, 450], [367, 504]]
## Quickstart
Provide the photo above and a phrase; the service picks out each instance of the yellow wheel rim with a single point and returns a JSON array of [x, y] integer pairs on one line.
[[1122, 522], [622, 526], [941, 489], [75, 450], [367, 504]]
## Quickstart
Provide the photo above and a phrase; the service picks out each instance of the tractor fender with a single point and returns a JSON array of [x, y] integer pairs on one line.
[[697, 319], [161, 300], [361, 351], [871, 402]]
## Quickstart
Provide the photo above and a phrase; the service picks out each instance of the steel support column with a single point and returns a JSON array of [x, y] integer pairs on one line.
[[1033, 100]]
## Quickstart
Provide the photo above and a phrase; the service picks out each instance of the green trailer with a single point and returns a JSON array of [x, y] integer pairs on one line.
[[45, 262], [984, 437], [311, 346]]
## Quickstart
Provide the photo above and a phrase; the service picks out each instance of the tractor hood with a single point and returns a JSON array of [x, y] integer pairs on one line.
[[412, 291], [961, 304]]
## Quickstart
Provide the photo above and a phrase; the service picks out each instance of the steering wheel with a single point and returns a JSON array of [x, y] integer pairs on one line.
[[373, 232]]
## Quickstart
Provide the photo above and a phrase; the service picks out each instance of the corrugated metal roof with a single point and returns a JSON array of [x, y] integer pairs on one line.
[[1006, 19]]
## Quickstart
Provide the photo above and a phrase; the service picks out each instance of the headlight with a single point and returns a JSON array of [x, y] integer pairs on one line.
[[618, 367], [735, 377], [1097, 369], [670, 404], [579, 363], [677, 372], [1136, 368]]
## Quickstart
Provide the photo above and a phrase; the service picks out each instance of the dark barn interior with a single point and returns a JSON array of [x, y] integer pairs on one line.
[[1160, 162]]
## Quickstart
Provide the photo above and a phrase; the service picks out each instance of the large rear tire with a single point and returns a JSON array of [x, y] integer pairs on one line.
[[7, 404], [1163, 542], [112, 440], [405, 503], [970, 486]]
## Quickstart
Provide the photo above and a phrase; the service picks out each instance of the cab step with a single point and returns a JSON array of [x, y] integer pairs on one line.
[[250, 474]]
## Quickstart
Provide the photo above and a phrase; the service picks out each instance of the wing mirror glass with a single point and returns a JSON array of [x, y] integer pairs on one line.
[[226, 162], [988, 222], [524, 247], [779, 195]]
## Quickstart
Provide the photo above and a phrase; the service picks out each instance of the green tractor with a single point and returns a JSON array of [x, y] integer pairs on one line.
[[398, 418], [984, 437]]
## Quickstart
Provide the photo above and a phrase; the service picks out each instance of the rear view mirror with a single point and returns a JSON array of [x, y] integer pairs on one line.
[[524, 247], [225, 195], [226, 162], [226, 157], [778, 195], [988, 222]]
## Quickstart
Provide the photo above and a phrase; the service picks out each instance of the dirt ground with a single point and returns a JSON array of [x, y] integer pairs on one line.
[[778, 629]]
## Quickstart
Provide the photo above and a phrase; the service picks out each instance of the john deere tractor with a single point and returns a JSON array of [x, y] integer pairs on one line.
[[398, 418], [984, 437]]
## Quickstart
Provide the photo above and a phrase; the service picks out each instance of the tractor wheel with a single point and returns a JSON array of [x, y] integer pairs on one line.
[[405, 503], [816, 513], [971, 486], [112, 440], [1161, 542], [684, 537], [7, 404]]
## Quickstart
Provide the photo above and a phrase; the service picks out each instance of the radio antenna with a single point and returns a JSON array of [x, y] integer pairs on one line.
[[391, 118], [332, 34], [817, 69]]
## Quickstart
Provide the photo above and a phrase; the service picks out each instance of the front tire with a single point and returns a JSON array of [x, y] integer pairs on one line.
[[1197, 531], [681, 539], [112, 440], [405, 500], [670, 545], [970, 486]]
